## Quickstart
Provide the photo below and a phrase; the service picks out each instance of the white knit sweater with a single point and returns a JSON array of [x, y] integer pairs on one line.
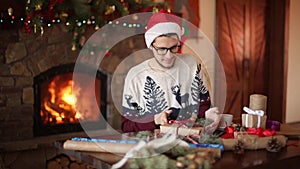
[[150, 91]]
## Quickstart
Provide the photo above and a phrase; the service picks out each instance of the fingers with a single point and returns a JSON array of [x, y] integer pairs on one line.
[[165, 116], [164, 121], [168, 112], [159, 118], [162, 118]]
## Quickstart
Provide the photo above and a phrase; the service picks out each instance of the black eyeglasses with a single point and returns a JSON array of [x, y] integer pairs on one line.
[[163, 51]]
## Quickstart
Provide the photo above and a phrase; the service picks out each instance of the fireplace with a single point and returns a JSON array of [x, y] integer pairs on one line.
[[62, 104]]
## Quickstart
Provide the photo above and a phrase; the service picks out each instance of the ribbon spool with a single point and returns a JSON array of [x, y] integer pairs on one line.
[[258, 102]]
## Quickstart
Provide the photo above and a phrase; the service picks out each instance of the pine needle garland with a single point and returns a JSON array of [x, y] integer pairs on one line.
[[210, 139], [176, 157], [145, 135], [76, 13]]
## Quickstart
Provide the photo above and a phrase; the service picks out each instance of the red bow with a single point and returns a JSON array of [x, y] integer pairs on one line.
[[261, 132], [180, 123], [229, 132], [253, 131]]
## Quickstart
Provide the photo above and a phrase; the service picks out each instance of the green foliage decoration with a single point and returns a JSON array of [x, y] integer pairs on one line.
[[77, 14]]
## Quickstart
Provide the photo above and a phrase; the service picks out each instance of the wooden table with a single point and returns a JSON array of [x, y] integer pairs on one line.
[[287, 158]]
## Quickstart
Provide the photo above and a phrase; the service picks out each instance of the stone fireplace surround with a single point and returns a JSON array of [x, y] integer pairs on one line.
[[22, 57]]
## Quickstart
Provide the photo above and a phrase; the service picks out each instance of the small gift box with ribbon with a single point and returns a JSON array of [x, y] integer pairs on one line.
[[180, 129], [254, 118]]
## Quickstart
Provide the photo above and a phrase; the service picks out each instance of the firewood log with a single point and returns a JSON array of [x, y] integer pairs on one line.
[[74, 166], [61, 110], [64, 161], [53, 165]]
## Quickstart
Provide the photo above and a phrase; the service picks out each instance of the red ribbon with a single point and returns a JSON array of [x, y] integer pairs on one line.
[[295, 143], [191, 140], [195, 135], [229, 132], [252, 131], [261, 132], [183, 124], [180, 123]]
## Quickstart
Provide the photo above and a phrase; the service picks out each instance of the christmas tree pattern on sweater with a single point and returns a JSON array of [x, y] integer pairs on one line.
[[154, 97]]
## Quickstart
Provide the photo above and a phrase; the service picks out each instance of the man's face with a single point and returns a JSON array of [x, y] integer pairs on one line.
[[164, 49]]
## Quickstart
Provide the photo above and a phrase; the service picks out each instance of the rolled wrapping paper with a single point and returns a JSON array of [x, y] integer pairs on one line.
[[124, 146], [252, 142], [100, 145], [180, 130], [258, 102]]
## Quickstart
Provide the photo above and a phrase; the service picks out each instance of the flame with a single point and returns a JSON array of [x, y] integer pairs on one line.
[[78, 115], [61, 106], [68, 101], [68, 96]]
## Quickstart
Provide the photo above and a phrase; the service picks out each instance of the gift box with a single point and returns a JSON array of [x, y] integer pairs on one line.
[[216, 149], [180, 129], [252, 142], [253, 121], [254, 118], [243, 134], [271, 124]]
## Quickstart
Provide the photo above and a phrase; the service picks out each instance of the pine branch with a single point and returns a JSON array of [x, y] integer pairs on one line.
[[74, 12], [80, 8]]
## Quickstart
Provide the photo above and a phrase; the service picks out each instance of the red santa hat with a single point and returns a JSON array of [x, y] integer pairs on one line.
[[162, 23]]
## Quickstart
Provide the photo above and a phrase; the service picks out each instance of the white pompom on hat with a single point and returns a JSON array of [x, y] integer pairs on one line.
[[160, 24]]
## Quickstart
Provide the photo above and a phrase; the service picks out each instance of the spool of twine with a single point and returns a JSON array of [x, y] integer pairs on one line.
[[258, 102]]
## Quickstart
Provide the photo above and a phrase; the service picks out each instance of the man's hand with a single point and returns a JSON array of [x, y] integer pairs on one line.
[[215, 115], [162, 118]]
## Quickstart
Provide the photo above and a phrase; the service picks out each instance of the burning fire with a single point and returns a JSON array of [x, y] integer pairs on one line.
[[61, 105], [66, 101]]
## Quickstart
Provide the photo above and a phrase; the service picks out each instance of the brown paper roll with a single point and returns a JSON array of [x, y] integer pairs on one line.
[[180, 130], [98, 147], [258, 102], [253, 142], [115, 148]]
